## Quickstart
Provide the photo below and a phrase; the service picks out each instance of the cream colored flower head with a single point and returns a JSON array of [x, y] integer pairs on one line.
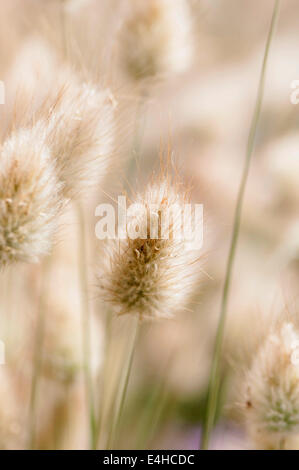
[[30, 198], [157, 38], [80, 133], [271, 394], [146, 276]]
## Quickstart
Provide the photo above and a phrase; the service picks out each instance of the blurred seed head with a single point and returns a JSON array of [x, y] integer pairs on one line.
[[80, 133], [152, 277], [30, 198], [271, 390], [156, 38]]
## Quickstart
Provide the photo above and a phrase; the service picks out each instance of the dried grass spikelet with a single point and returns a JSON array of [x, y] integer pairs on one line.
[[80, 133], [156, 38], [271, 390], [30, 198], [152, 277]]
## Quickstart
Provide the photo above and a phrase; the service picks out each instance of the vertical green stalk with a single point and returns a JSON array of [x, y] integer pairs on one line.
[[102, 394], [85, 318], [38, 347], [153, 412], [155, 407], [215, 368], [123, 389]]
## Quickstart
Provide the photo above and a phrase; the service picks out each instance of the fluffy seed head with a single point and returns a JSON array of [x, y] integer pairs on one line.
[[157, 38], [272, 390], [147, 276], [80, 134], [29, 198]]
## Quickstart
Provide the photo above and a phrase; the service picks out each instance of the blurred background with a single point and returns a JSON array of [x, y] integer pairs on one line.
[[203, 112]]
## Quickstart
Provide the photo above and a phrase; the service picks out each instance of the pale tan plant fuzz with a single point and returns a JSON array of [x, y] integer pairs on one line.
[[80, 133], [152, 277], [271, 390], [157, 38], [30, 199]]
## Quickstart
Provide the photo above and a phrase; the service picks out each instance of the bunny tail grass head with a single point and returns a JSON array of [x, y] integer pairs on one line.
[[29, 199], [271, 392], [152, 272], [80, 134], [157, 38]]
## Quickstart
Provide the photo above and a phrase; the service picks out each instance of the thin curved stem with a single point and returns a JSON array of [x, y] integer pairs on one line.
[[214, 384], [38, 348], [124, 388], [85, 318], [102, 394]]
